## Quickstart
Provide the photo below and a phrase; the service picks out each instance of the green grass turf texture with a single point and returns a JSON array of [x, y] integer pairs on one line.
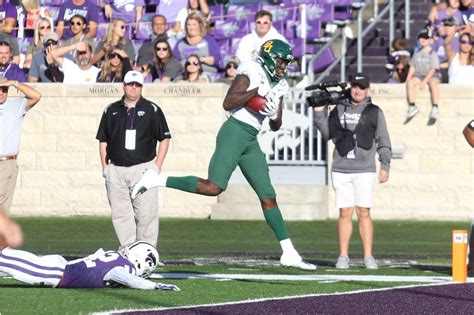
[[428, 242]]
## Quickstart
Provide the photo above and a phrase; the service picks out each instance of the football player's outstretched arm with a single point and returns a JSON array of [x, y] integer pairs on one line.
[[122, 276], [238, 95]]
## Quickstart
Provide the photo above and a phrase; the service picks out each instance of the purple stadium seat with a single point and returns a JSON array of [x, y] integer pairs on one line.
[[229, 29], [279, 12], [144, 31], [242, 12], [322, 11], [217, 12], [297, 46], [326, 58]]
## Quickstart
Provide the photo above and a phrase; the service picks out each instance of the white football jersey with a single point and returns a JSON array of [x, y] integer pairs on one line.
[[258, 78]]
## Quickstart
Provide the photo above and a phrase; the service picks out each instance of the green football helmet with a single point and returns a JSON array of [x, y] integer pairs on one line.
[[272, 50]]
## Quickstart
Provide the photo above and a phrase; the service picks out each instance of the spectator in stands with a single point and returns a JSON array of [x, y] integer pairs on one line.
[[115, 66], [198, 43], [399, 49], [43, 68], [467, 11], [424, 69], [164, 68], [461, 64], [199, 7], [83, 71], [131, 11], [448, 26], [8, 16], [451, 10], [193, 71], [146, 53], [15, 47], [114, 39], [250, 44], [400, 71], [230, 69], [440, 5], [31, 10], [72, 7], [78, 25], [8, 69], [42, 27]]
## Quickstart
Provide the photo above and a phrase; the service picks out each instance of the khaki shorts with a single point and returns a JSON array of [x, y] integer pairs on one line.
[[353, 189]]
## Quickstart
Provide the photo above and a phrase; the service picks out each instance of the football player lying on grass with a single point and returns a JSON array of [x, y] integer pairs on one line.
[[127, 267]]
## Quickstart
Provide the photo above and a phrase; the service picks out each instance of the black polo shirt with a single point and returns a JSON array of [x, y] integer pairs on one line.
[[146, 118]]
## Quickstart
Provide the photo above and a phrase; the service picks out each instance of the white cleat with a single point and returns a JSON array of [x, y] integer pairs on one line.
[[150, 179], [293, 259]]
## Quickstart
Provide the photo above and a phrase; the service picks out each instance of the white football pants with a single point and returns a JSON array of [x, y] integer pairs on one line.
[[32, 269]]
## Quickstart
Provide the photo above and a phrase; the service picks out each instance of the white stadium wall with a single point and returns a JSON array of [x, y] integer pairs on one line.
[[60, 171]]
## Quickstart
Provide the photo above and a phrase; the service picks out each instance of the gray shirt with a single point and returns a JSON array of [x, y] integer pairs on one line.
[[364, 160], [38, 67], [423, 62]]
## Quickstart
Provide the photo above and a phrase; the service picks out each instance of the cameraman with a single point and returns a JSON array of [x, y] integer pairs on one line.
[[358, 129]]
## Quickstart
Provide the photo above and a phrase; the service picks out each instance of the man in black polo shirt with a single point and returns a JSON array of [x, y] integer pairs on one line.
[[128, 133]]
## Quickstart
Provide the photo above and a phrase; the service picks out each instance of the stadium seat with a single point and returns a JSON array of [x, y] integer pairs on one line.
[[144, 31], [217, 12], [229, 29], [324, 60], [242, 12]]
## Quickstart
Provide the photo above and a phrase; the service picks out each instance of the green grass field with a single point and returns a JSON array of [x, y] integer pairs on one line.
[[207, 247]]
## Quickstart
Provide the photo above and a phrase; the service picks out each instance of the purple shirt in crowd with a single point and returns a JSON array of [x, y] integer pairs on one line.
[[8, 10], [12, 72], [124, 9], [438, 47], [89, 272], [88, 10]]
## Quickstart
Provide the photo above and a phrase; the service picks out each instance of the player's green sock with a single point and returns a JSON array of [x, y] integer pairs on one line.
[[275, 220], [185, 183]]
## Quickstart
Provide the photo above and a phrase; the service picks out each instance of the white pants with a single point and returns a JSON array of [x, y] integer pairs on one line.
[[32, 269], [353, 189]]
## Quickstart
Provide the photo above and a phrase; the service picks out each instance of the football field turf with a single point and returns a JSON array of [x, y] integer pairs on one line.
[[229, 261]]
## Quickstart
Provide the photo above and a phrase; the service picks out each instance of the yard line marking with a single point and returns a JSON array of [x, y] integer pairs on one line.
[[370, 278], [125, 311]]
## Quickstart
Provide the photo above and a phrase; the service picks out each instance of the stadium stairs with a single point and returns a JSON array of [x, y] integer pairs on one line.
[[376, 45]]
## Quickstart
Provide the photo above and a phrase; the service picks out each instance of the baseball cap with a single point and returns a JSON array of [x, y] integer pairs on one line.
[[450, 21], [424, 33], [50, 36], [133, 76], [360, 79]]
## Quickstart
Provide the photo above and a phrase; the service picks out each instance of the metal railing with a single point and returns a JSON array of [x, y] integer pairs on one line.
[[297, 142], [361, 32]]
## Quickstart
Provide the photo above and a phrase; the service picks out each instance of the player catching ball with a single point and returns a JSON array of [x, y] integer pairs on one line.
[[237, 141]]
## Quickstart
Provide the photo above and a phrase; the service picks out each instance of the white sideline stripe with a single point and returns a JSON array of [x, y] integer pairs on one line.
[[268, 299], [219, 276]]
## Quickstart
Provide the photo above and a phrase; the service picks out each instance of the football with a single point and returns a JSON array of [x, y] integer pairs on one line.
[[256, 103]]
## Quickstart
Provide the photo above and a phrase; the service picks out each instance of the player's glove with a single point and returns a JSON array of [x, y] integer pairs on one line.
[[164, 286], [270, 110]]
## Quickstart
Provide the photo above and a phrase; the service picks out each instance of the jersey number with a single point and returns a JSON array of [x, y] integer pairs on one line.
[[90, 261]]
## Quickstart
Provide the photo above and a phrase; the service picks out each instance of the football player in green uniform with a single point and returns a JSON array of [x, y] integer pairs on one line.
[[237, 142]]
